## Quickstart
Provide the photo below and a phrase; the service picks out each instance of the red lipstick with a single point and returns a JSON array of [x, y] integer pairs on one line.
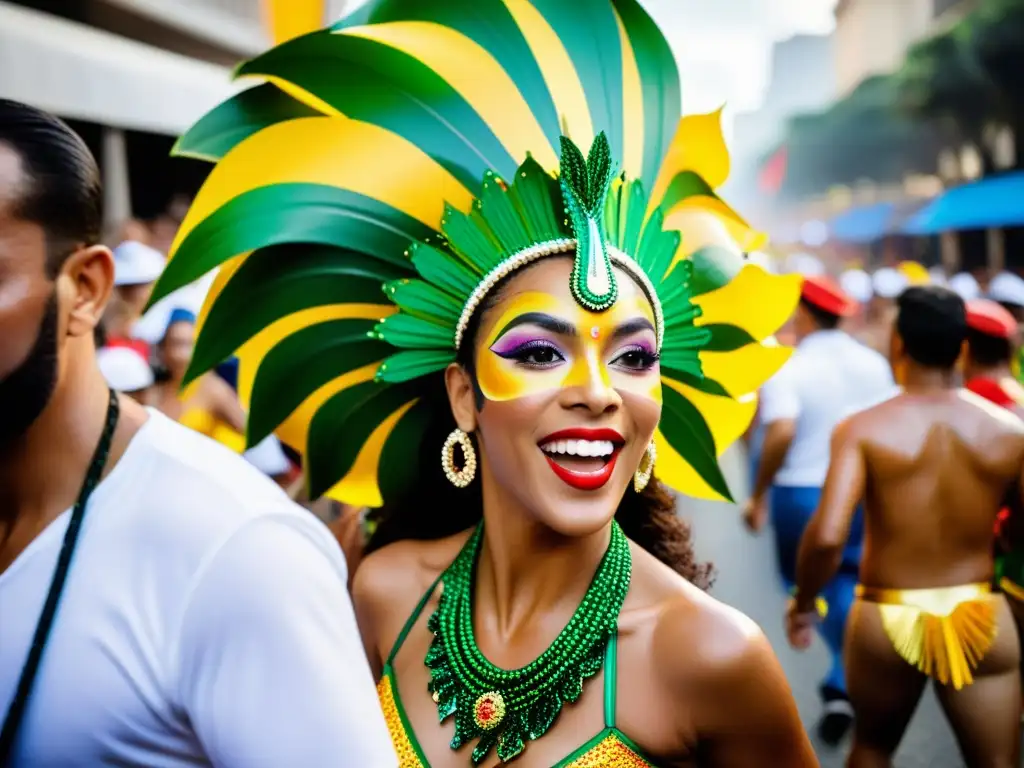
[[585, 481]]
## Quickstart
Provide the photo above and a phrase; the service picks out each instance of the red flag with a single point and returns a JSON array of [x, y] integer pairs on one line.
[[773, 173]]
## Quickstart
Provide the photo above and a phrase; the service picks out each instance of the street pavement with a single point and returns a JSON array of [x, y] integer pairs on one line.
[[746, 580]]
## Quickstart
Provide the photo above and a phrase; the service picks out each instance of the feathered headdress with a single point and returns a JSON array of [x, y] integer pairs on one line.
[[432, 148]]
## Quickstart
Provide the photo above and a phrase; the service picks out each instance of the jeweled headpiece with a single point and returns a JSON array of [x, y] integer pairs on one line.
[[424, 146]]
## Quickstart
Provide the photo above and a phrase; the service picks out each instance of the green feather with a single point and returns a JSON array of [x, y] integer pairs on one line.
[[633, 224], [390, 88], [279, 281], [425, 300], [444, 270], [699, 382], [342, 425], [659, 83], [713, 268], [684, 185], [410, 332], [304, 362], [471, 240], [538, 200], [403, 454], [411, 364], [497, 209], [657, 248], [491, 25], [726, 338], [290, 213], [688, 433], [589, 32], [228, 125]]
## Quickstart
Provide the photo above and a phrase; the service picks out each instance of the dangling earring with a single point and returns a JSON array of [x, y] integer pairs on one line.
[[643, 473], [460, 478]]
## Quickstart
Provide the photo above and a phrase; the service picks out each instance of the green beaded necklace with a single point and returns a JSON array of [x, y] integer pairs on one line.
[[505, 707]]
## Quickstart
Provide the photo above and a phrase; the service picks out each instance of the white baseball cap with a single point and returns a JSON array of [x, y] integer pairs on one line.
[[964, 284], [124, 369], [857, 283], [1007, 288], [805, 264], [888, 283], [136, 264]]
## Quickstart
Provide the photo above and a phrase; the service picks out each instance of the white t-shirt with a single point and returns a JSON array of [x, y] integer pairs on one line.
[[205, 622], [830, 376]]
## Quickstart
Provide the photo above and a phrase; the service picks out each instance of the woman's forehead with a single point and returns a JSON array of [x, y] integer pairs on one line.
[[544, 288]]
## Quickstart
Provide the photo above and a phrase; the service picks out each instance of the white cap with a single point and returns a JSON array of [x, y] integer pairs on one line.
[[857, 283], [268, 457], [1008, 288], [964, 284], [136, 264], [888, 283], [124, 369], [152, 326], [938, 276]]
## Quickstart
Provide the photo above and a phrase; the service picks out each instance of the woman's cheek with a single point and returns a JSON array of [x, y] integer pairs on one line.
[[501, 380]]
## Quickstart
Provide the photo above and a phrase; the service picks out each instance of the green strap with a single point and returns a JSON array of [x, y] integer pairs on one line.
[[411, 622], [610, 675]]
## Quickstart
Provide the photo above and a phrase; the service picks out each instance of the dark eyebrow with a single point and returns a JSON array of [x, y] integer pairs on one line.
[[631, 327], [545, 321]]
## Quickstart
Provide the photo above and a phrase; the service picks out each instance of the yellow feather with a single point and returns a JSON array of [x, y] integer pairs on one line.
[[559, 73], [339, 152], [633, 108], [753, 300], [745, 370], [698, 146], [479, 79]]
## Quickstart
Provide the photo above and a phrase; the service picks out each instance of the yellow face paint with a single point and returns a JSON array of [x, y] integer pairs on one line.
[[541, 342]]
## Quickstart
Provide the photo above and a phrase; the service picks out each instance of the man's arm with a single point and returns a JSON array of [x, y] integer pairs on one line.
[[778, 436], [269, 667], [821, 548], [779, 408]]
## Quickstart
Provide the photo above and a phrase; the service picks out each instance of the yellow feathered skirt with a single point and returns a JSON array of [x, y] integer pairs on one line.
[[944, 632]]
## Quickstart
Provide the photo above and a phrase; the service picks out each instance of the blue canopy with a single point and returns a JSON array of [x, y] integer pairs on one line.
[[997, 201], [862, 224]]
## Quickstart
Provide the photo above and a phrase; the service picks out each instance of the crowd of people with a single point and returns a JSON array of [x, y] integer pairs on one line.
[[564, 340], [892, 483]]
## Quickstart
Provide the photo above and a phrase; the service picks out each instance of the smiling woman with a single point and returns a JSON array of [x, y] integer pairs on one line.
[[563, 338]]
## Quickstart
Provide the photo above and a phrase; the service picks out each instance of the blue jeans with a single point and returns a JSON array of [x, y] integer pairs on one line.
[[791, 510]]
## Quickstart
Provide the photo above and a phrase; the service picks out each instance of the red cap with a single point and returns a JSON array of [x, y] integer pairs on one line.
[[826, 295], [991, 319]]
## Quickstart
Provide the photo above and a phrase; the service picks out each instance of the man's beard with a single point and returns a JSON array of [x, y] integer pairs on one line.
[[26, 391]]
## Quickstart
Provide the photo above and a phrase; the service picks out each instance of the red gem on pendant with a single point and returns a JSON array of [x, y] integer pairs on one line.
[[489, 710]]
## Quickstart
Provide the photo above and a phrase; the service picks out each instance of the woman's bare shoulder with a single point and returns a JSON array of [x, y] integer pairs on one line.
[[720, 641], [402, 572]]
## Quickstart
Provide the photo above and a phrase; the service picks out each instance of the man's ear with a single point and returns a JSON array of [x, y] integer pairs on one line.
[[87, 280], [461, 397]]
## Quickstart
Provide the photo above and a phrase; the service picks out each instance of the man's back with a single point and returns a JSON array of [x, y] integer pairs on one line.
[[831, 376], [938, 468]]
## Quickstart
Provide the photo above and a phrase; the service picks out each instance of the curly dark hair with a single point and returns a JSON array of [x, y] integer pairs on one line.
[[432, 508]]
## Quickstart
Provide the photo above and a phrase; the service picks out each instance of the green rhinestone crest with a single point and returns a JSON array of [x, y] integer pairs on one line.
[[503, 708], [585, 185]]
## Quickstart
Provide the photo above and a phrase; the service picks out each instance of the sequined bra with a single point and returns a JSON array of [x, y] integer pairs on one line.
[[610, 748]]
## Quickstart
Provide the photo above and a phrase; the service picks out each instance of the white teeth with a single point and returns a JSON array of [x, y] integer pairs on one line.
[[587, 448]]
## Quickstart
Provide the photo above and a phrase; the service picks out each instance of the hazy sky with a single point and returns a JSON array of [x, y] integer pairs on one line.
[[723, 46]]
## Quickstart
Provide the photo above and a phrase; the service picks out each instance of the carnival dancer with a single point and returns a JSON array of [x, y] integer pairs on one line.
[[933, 466], [161, 602], [831, 376], [516, 175]]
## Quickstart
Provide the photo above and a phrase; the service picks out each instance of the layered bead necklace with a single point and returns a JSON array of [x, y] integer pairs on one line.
[[507, 707]]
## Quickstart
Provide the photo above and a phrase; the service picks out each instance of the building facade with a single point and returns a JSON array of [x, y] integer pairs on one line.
[[130, 75]]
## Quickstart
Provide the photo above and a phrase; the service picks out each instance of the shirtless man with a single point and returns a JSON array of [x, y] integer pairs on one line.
[[932, 466]]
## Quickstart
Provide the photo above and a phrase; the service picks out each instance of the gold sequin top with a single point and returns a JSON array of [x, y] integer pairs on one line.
[[608, 749]]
